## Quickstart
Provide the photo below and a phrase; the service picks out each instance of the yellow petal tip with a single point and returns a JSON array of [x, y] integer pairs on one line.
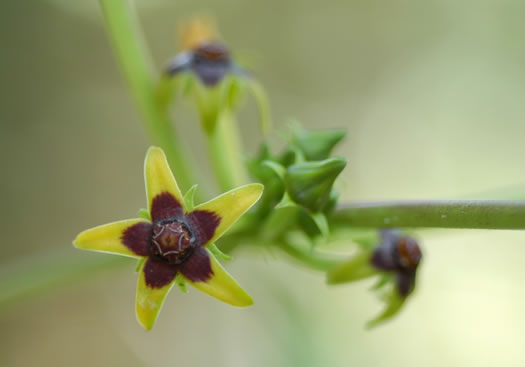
[[246, 301], [146, 325]]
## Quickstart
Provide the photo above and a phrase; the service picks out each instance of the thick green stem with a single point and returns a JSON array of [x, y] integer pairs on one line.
[[225, 147], [134, 59], [479, 214]]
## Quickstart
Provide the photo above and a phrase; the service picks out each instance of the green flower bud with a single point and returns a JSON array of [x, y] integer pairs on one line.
[[316, 144], [273, 185], [309, 183]]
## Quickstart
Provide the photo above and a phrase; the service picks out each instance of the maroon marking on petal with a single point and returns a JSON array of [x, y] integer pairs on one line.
[[203, 225], [158, 273], [165, 206], [197, 267], [137, 238]]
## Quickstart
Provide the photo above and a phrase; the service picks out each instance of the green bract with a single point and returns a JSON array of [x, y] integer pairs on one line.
[[309, 184], [316, 144]]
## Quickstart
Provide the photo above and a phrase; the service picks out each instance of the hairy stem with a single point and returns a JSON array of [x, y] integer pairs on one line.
[[128, 43], [479, 214]]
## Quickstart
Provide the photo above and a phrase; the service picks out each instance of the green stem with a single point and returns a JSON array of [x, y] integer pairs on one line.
[[134, 59], [225, 148], [32, 275], [479, 214], [312, 258]]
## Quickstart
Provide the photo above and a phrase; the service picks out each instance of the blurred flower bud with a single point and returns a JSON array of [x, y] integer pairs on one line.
[[400, 254], [309, 184], [206, 71], [273, 185], [395, 259]]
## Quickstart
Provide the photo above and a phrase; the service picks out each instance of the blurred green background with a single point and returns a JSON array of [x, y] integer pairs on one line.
[[432, 94]]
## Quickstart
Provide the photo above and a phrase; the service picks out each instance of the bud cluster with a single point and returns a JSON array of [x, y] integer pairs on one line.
[[301, 176]]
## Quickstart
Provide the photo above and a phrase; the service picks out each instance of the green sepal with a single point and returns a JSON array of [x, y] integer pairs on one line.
[[144, 214], [286, 202], [384, 279], [273, 185], [394, 302], [218, 253], [140, 262], [234, 92], [255, 164], [309, 184], [322, 223], [189, 197], [330, 206], [213, 101], [169, 87], [276, 168], [291, 155], [357, 268], [316, 144], [181, 283]]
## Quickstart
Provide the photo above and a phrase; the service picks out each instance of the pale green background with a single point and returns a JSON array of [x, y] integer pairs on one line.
[[432, 94]]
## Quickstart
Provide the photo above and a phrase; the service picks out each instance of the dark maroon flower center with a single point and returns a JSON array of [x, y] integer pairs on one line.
[[172, 241]]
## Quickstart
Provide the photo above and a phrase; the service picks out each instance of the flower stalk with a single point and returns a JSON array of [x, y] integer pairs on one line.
[[128, 43], [224, 144]]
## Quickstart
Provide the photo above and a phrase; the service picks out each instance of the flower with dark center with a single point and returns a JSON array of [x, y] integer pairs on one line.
[[174, 243], [400, 254], [205, 71], [210, 62]]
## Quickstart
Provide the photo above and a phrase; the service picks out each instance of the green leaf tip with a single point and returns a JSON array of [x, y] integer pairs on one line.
[[394, 303]]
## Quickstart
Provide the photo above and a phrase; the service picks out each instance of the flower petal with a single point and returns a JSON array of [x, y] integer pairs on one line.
[[227, 208], [206, 274], [164, 197], [203, 224], [156, 278], [197, 268], [127, 237]]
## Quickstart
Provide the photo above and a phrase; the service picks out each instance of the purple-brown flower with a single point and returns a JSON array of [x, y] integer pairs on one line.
[[174, 242], [210, 62], [394, 257], [400, 254]]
